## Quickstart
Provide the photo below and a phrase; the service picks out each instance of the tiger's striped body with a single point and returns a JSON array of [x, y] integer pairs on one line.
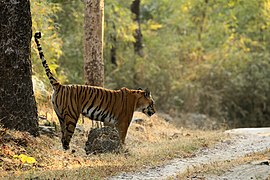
[[113, 107]]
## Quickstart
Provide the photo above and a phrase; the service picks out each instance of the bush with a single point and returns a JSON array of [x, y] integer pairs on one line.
[[239, 97]]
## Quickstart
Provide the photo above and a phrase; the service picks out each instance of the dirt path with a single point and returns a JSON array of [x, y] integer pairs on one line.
[[243, 142]]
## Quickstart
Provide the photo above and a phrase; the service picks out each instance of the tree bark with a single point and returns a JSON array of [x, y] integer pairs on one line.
[[93, 42], [135, 9], [17, 103]]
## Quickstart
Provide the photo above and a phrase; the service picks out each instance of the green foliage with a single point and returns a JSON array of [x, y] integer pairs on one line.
[[205, 63], [118, 22], [70, 21], [43, 17], [247, 99]]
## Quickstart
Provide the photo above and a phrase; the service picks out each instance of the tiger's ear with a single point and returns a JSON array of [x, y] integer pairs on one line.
[[146, 92], [139, 89]]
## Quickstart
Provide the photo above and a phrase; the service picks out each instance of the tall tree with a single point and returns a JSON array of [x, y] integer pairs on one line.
[[17, 104], [93, 42], [135, 9]]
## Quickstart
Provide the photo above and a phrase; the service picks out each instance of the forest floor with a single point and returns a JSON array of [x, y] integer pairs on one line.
[[155, 149]]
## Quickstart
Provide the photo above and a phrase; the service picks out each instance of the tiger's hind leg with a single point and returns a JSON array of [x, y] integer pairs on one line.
[[68, 125], [62, 125], [69, 128]]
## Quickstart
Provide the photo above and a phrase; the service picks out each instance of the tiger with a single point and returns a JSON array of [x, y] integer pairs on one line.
[[114, 108]]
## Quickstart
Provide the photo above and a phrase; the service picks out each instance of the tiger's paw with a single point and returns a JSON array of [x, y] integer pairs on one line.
[[65, 145]]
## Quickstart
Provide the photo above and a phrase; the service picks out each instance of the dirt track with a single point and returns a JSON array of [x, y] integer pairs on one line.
[[243, 142]]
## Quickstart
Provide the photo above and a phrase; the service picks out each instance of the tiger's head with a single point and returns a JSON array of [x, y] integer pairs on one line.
[[146, 102]]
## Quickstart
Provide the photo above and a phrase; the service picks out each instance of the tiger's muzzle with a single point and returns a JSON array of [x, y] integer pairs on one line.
[[149, 111]]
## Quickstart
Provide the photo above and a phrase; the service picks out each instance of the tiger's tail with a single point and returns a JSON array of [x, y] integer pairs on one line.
[[52, 80]]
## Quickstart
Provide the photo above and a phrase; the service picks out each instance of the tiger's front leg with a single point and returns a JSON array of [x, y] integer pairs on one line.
[[122, 130]]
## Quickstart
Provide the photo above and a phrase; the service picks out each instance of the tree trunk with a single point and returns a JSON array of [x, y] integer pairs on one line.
[[93, 42], [113, 49], [17, 103], [135, 9]]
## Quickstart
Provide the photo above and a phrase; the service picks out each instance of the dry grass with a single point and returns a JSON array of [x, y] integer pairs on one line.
[[220, 167], [151, 143]]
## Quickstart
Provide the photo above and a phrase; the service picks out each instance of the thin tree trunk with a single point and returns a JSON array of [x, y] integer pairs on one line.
[[17, 103], [113, 49], [93, 42], [138, 45]]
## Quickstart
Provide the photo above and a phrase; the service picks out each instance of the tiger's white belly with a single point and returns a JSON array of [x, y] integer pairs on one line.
[[99, 115]]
